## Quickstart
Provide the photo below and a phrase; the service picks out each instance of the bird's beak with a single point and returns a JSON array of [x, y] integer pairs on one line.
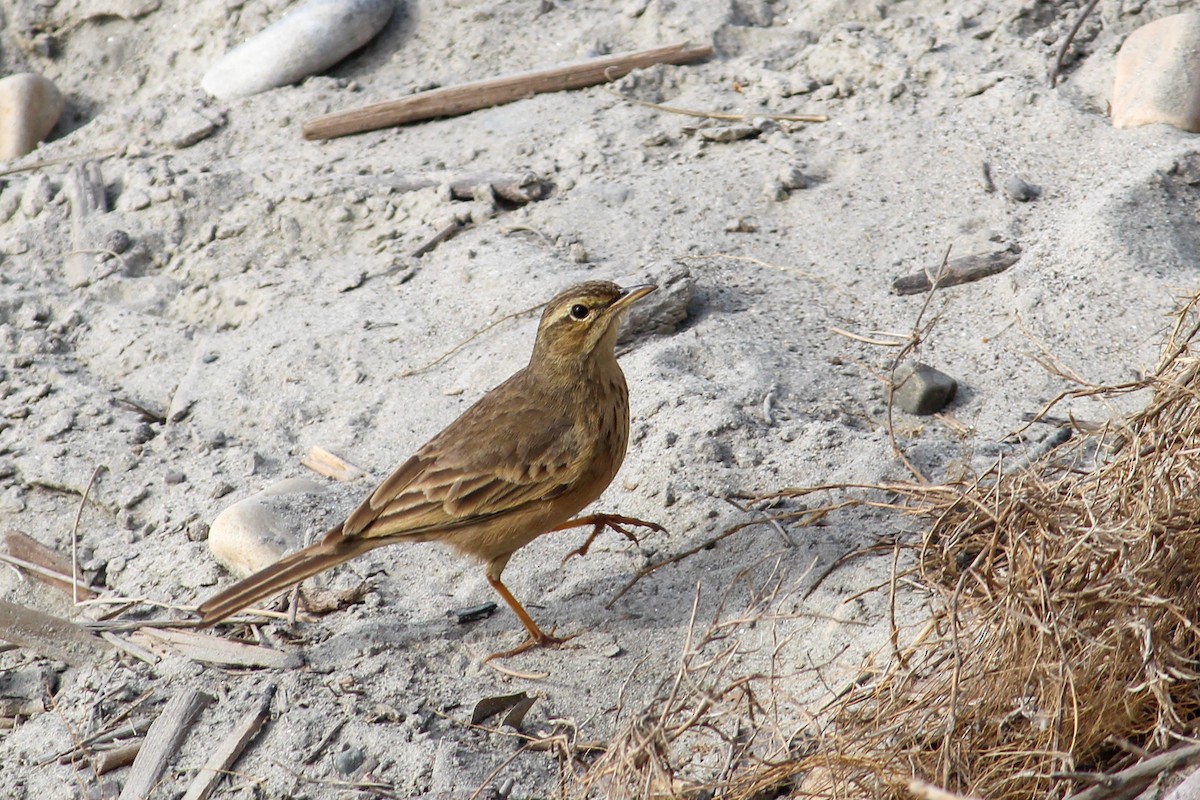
[[630, 295]]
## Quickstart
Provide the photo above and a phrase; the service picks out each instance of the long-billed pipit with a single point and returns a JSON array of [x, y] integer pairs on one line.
[[521, 462]]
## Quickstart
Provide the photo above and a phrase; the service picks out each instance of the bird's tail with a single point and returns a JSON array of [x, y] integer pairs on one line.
[[287, 571]]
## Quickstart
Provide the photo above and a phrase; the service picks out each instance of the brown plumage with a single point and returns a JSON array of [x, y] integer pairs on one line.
[[521, 462]]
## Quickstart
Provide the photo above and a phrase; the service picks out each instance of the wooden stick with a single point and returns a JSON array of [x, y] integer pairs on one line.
[[231, 747], [451, 101], [49, 635], [55, 570], [85, 187], [215, 650], [1131, 781], [961, 270], [162, 740], [123, 756], [323, 462]]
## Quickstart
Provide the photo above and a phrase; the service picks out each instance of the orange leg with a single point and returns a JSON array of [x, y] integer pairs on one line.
[[601, 521], [537, 637]]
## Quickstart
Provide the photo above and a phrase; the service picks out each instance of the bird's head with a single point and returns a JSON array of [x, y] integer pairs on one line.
[[584, 320]]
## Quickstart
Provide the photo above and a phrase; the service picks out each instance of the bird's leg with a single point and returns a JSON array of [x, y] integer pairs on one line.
[[537, 637], [601, 521]]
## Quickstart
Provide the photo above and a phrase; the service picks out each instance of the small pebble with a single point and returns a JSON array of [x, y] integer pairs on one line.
[[197, 530], [250, 535], [349, 760], [922, 390], [142, 433], [184, 129], [729, 133], [117, 241], [1158, 75], [1020, 190], [37, 195], [57, 425], [307, 40], [793, 177], [30, 106], [174, 478]]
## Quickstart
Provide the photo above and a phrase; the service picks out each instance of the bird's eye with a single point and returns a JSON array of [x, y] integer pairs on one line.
[[580, 311]]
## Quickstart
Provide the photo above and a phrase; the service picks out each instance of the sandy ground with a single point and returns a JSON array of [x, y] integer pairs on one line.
[[253, 309]]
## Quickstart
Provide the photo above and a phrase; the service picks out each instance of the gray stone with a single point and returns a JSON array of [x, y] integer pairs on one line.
[[1158, 75], [663, 310], [30, 106], [1021, 190], [920, 389], [349, 760], [306, 41], [185, 129]]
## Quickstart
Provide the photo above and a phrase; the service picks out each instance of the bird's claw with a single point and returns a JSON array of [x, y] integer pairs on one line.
[[541, 640], [616, 523]]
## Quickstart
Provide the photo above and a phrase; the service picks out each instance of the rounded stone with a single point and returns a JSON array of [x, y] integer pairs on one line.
[[305, 41], [250, 534], [30, 106], [1158, 75]]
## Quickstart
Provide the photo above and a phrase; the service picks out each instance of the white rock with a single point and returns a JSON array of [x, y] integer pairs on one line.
[[1158, 75], [309, 39], [250, 534], [30, 106]]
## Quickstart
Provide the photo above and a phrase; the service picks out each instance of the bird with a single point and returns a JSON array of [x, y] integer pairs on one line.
[[521, 462]]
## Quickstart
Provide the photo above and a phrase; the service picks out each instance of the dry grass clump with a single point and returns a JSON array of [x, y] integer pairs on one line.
[[1063, 640], [1064, 637]]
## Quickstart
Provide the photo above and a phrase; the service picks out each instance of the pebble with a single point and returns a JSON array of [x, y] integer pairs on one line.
[[1158, 75], [729, 133], [30, 106], [922, 390], [184, 129], [250, 535], [1021, 190], [349, 760], [307, 40], [37, 195]]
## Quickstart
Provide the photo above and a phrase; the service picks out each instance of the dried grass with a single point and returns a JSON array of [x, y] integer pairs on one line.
[[1063, 638]]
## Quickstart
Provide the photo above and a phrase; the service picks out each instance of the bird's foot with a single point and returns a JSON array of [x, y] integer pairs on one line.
[[601, 521], [541, 639]]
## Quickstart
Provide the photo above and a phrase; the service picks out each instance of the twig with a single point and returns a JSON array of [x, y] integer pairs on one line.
[[461, 99], [50, 162], [453, 226], [705, 545], [1131, 781], [49, 576], [959, 271], [323, 462], [75, 534], [430, 365], [140, 653], [231, 747], [528, 676], [162, 740], [122, 756], [1056, 70], [216, 650], [913, 342]]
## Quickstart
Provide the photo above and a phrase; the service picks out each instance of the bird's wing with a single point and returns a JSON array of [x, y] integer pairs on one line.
[[494, 459]]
